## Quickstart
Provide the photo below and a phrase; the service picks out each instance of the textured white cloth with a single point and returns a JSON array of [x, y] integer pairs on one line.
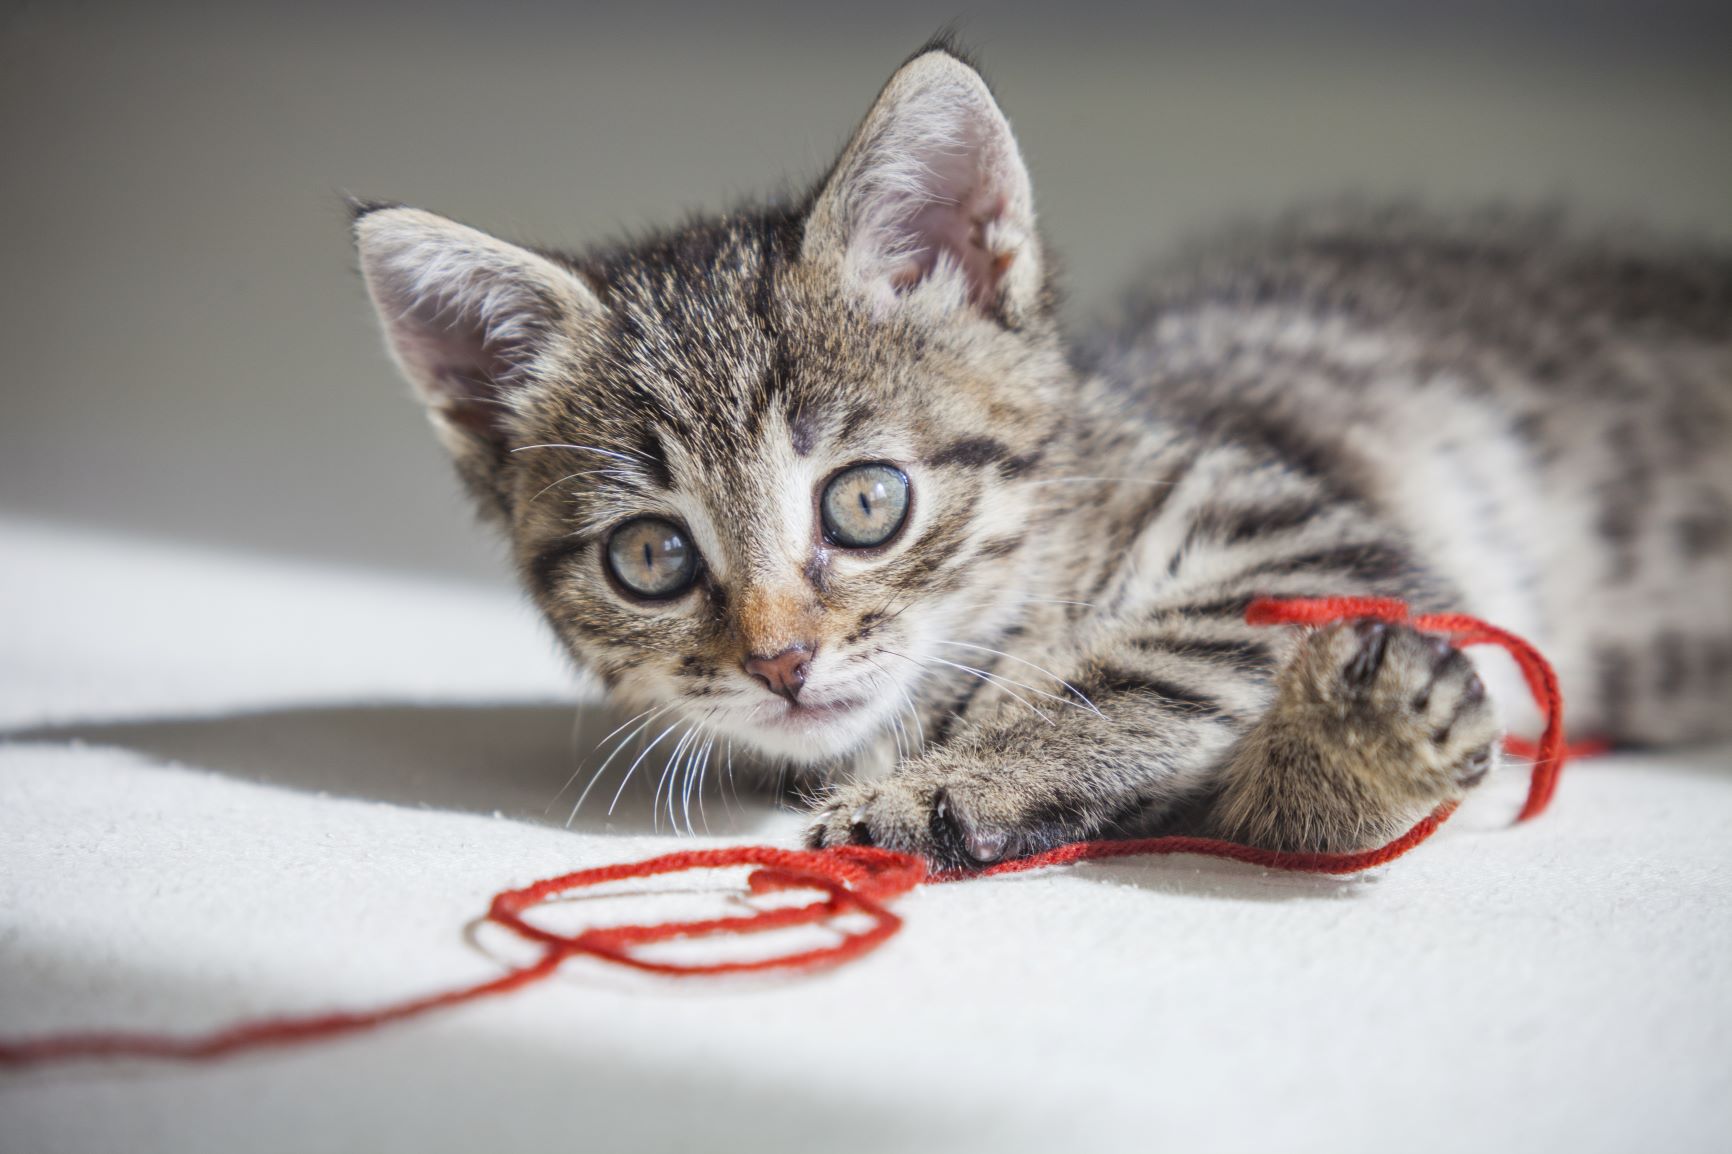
[[235, 786]]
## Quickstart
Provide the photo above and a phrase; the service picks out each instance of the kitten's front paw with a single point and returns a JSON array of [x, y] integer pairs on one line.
[[1404, 707], [1376, 725], [952, 823]]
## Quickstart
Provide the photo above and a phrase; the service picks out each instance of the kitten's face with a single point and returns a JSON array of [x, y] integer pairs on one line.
[[775, 473], [780, 509]]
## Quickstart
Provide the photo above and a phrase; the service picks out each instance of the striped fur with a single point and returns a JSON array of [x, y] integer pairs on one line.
[[1494, 415]]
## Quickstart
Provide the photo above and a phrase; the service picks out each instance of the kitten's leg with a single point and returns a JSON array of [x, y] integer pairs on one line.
[[1373, 726], [1008, 789]]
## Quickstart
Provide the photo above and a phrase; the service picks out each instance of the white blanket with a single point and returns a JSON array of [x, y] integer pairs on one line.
[[233, 786]]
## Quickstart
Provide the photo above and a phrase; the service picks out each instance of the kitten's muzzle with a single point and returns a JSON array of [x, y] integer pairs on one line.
[[783, 673]]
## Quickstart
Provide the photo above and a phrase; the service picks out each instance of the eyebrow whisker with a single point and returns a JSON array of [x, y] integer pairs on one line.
[[631, 458]]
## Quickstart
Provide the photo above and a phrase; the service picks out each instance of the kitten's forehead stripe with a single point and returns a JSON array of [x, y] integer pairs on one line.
[[803, 427], [654, 458], [970, 452]]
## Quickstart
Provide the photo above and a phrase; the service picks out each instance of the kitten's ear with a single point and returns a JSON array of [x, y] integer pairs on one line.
[[468, 317], [932, 189]]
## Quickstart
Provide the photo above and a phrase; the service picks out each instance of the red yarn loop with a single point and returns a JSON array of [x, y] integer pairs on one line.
[[852, 880], [857, 879]]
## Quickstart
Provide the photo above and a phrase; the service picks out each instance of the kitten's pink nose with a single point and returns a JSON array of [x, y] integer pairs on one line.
[[784, 673]]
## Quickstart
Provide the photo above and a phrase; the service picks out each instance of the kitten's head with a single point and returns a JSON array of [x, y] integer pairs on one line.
[[762, 469]]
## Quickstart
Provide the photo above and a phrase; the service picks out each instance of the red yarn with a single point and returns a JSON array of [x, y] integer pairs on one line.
[[855, 880]]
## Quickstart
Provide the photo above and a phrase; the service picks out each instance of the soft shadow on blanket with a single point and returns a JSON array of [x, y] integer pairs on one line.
[[531, 763], [507, 759]]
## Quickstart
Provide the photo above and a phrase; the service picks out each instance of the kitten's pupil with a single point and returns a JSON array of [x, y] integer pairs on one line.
[[649, 561], [865, 505]]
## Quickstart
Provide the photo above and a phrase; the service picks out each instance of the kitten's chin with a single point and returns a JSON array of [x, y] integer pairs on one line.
[[806, 734]]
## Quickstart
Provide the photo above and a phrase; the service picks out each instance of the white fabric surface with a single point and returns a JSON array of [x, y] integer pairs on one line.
[[235, 786]]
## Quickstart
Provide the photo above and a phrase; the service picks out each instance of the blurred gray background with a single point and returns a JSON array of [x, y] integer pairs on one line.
[[188, 352]]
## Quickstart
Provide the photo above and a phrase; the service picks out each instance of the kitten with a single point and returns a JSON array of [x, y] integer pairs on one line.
[[827, 482]]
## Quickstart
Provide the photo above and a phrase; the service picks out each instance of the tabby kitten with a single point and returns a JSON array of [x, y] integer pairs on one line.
[[827, 483]]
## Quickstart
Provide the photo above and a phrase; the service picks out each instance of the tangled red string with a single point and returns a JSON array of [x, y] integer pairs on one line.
[[848, 880]]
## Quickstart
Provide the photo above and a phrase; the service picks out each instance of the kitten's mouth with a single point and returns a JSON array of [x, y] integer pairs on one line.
[[801, 715]]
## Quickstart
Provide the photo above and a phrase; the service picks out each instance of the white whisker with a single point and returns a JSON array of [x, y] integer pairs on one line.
[[727, 784], [633, 459], [670, 770], [999, 683], [627, 778], [576, 726], [1030, 664], [703, 768], [622, 743], [914, 712], [694, 770], [620, 473], [901, 735], [687, 765]]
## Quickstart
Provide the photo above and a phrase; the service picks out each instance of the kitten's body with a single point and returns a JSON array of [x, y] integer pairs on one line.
[[1545, 418], [1482, 416]]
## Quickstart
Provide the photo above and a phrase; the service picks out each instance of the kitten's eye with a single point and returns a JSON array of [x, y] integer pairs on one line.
[[652, 558], [865, 506]]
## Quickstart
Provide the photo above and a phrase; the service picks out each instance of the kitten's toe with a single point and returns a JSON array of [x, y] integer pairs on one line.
[[1451, 711], [941, 821], [839, 823], [881, 813]]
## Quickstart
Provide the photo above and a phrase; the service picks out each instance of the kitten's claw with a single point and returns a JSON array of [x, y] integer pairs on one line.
[[1475, 767], [1367, 659], [955, 826]]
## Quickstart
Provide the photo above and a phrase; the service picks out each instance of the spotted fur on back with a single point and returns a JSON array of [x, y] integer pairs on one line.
[[1493, 415]]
